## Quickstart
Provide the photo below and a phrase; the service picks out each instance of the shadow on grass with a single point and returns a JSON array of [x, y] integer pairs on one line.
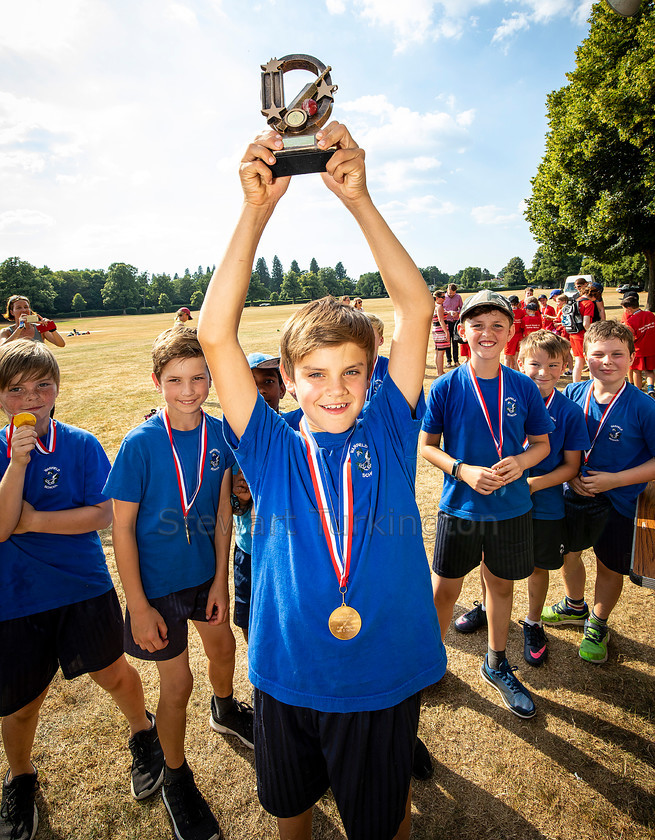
[[443, 806], [45, 830], [626, 796], [613, 682]]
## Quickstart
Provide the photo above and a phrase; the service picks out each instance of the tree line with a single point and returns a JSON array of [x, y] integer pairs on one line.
[[123, 289]]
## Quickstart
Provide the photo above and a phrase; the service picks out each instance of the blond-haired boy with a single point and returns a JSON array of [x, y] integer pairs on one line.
[[337, 673], [171, 484]]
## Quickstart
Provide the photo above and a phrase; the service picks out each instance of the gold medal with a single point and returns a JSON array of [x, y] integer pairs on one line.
[[345, 623]]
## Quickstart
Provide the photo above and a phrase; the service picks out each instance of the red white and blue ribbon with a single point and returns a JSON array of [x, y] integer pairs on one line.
[[606, 413], [51, 440], [498, 442], [340, 551], [187, 503]]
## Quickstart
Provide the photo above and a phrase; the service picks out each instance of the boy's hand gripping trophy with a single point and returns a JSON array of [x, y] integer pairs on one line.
[[299, 121]]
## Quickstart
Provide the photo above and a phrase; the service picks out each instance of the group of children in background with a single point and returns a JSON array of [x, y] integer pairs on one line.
[[332, 583]]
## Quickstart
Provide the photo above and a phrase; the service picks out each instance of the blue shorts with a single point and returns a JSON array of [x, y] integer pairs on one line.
[[365, 757], [80, 638], [242, 587]]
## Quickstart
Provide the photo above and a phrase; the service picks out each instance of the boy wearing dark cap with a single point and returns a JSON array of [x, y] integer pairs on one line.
[[484, 412]]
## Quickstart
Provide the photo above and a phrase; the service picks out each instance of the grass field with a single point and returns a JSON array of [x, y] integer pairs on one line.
[[582, 769]]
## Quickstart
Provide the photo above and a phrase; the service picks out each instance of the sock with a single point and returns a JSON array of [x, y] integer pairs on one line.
[[224, 704], [533, 623], [601, 622], [494, 658], [174, 774], [576, 606], [650, 388], [483, 608]]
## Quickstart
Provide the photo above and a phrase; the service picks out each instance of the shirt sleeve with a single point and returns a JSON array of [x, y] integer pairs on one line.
[[538, 421], [576, 435], [434, 415]]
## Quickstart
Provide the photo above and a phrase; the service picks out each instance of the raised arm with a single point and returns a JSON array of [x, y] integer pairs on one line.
[[218, 324], [412, 301]]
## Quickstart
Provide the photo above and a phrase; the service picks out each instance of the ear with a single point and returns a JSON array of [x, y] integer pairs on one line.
[[512, 330], [283, 389], [287, 383], [461, 330], [521, 365], [156, 381]]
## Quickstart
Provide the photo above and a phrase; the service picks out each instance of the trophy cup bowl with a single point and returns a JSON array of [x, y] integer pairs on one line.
[[299, 121]]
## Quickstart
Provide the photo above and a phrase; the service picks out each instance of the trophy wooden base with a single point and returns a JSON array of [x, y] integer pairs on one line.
[[642, 564], [300, 161]]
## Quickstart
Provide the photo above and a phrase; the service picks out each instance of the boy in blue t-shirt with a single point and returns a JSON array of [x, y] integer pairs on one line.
[[542, 357], [601, 500], [58, 605], [343, 631], [265, 370], [172, 526], [484, 412]]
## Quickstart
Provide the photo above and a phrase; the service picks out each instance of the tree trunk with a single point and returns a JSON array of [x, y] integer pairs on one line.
[[650, 284]]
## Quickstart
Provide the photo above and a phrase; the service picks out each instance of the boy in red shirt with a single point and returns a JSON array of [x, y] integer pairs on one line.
[[532, 318], [512, 346], [547, 313], [642, 324]]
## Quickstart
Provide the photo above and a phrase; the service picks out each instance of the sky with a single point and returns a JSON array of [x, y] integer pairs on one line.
[[122, 123]]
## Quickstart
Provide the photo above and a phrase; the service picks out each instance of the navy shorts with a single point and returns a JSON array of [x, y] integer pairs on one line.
[[80, 638], [548, 539], [506, 544], [592, 522], [242, 587], [177, 609], [365, 757]]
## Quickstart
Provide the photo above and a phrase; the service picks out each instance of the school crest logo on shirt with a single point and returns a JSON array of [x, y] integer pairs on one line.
[[214, 459], [615, 433], [359, 452], [376, 384], [51, 477], [510, 406]]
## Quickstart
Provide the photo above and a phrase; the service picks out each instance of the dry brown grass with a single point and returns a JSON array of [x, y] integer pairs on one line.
[[583, 768]]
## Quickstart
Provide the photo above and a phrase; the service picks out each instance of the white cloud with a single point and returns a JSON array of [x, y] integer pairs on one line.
[[399, 130], [20, 221], [489, 214], [46, 29], [335, 7], [402, 175], [179, 13], [23, 161], [510, 26]]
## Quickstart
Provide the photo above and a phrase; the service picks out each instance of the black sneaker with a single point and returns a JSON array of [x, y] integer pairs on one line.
[[535, 646], [422, 763], [147, 761], [513, 693], [191, 816], [472, 620], [19, 818], [238, 721]]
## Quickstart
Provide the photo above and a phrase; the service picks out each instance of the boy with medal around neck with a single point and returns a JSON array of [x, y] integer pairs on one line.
[[58, 606], [484, 412], [601, 500], [171, 483], [343, 631]]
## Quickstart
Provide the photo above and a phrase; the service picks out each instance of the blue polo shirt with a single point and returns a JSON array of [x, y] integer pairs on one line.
[[292, 654], [626, 440], [454, 412]]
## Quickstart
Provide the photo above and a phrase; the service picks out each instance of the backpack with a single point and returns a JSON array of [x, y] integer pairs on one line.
[[571, 317]]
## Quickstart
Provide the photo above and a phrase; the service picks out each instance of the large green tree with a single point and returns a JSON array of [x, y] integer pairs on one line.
[[18, 277], [594, 191], [514, 272], [277, 274], [121, 289], [551, 266]]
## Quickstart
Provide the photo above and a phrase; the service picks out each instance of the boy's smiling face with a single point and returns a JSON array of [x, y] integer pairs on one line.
[[609, 362], [487, 333], [37, 396], [330, 385], [184, 384], [543, 369]]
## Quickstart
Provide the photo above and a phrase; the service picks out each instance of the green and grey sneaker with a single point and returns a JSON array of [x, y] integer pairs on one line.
[[593, 647], [560, 614]]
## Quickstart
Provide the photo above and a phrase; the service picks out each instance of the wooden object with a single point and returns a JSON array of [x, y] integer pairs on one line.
[[642, 564]]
